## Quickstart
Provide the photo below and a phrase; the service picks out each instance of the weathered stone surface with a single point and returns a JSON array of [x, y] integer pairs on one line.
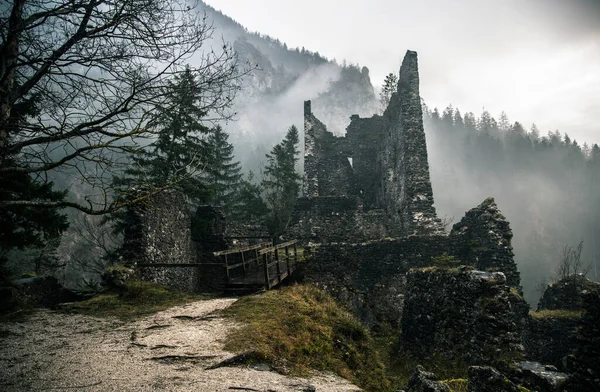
[[486, 236], [39, 291], [423, 381], [538, 377], [160, 232], [459, 314], [406, 192], [551, 338], [369, 278], [488, 379], [329, 219], [566, 293], [116, 277], [585, 362], [381, 160]]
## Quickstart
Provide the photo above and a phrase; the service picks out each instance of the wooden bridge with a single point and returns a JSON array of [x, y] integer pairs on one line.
[[258, 267]]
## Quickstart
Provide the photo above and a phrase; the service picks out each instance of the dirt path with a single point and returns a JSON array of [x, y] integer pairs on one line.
[[168, 351]]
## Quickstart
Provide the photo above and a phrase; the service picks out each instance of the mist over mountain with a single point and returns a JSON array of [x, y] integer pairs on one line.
[[271, 97], [543, 184]]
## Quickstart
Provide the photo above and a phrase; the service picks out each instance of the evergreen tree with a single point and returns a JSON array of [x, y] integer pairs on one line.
[[249, 206], [222, 172], [504, 124], [179, 153], [448, 118], [390, 86], [458, 120], [25, 227], [281, 182]]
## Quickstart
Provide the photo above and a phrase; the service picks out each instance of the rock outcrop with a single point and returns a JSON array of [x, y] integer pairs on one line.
[[567, 293], [488, 379], [486, 236], [459, 314], [424, 381], [585, 362]]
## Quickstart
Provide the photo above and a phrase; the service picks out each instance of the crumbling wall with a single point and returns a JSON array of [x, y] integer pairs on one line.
[[567, 293], [585, 362], [369, 278], [326, 167], [551, 335], [405, 191], [382, 160], [459, 314], [485, 237], [335, 219], [363, 140], [159, 231]]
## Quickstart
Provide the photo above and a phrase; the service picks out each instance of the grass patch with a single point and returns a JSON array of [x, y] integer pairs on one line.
[[402, 365], [457, 384], [133, 300], [298, 328], [555, 314]]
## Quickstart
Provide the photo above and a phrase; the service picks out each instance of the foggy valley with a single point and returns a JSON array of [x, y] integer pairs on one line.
[[401, 190]]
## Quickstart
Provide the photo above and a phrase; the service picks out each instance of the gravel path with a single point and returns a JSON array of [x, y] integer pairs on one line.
[[168, 351]]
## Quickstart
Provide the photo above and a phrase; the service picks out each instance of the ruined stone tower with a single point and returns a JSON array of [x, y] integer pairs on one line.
[[374, 181]]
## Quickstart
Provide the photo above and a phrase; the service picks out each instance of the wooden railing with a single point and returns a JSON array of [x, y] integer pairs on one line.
[[273, 258], [262, 264], [245, 256]]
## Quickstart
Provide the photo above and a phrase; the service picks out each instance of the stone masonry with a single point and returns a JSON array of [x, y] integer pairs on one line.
[[381, 162], [160, 232]]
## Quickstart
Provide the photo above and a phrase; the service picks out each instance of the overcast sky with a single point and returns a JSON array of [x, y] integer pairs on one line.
[[539, 60]]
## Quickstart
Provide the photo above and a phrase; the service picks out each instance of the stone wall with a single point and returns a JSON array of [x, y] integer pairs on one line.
[[335, 219], [567, 293], [405, 188], [159, 231], [459, 314], [369, 278], [585, 363], [550, 338], [382, 160], [485, 237]]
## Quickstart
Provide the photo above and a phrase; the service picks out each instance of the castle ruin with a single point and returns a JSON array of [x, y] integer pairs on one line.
[[375, 179]]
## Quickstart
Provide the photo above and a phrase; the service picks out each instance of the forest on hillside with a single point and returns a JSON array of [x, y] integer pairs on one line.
[[548, 186], [76, 146]]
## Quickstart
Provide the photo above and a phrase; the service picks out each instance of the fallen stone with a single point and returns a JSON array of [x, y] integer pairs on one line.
[[424, 381], [542, 378], [488, 379]]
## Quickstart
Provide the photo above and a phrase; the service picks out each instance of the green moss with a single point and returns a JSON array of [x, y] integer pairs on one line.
[[446, 261], [555, 314], [134, 300], [457, 384], [299, 328], [516, 292], [523, 389]]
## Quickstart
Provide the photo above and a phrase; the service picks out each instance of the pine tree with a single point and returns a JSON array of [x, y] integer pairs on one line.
[[390, 86], [178, 156], [24, 227], [222, 173], [249, 206], [504, 124], [281, 182]]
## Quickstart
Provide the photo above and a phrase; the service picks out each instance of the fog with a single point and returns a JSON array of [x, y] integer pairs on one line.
[[537, 60], [531, 61]]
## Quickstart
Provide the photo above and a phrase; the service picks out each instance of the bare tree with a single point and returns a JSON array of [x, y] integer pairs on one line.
[[570, 263], [95, 69]]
